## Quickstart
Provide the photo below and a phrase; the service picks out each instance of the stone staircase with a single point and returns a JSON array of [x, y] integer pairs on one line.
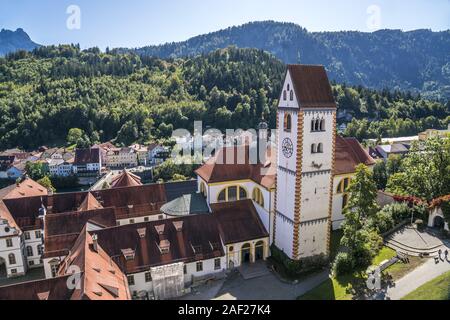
[[408, 250]]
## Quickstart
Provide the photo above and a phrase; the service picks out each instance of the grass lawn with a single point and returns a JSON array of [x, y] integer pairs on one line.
[[436, 289], [344, 287], [400, 269], [384, 254]]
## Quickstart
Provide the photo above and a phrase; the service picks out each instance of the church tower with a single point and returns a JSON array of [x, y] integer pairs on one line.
[[306, 123]]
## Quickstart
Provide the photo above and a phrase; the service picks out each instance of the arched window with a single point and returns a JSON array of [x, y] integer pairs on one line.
[[284, 95], [203, 189], [242, 194], [258, 197], [288, 87], [232, 193], [29, 251], [313, 124], [320, 148], [291, 95], [344, 201], [317, 125], [222, 196], [322, 125], [343, 185], [287, 122], [313, 148], [12, 258]]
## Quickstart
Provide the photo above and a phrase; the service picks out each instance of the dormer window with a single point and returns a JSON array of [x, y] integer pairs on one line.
[[164, 247], [160, 229], [129, 254]]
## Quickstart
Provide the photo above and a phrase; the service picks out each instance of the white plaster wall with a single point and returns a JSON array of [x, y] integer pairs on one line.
[[34, 242], [288, 103], [313, 239], [337, 216], [17, 250], [315, 196], [326, 138], [284, 235], [47, 266], [153, 217]]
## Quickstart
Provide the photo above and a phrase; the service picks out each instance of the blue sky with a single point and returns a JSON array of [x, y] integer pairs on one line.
[[135, 23]]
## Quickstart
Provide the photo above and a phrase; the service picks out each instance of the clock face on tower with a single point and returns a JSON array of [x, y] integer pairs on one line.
[[287, 148]]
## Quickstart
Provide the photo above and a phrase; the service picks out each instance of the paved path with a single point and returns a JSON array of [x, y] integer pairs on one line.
[[416, 278], [267, 287]]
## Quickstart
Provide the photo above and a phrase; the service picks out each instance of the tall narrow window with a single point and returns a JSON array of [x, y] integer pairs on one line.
[[291, 95], [313, 148], [12, 258], [344, 201], [322, 125], [258, 197], [284, 95], [242, 194], [29, 251], [317, 125], [222, 196], [287, 122], [320, 148], [232, 193]]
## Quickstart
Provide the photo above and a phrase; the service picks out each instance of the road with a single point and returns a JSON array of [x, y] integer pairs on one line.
[[416, 278]]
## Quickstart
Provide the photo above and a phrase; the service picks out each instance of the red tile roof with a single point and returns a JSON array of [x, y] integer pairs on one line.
[[89, 203], [235, 163], [349, 154], [85, 156], [311, 85], [62, 229], [199, 233], [126, 179], [48, 289], [238, 221], [100, 278], [26, 188]]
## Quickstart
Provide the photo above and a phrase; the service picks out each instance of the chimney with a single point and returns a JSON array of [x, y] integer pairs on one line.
[[50, 204], [95, 242]]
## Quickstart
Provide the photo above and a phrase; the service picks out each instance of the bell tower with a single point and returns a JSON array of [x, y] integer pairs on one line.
[[306, 123]]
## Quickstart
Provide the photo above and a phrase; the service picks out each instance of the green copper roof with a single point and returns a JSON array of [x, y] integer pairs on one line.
[[193, 203]]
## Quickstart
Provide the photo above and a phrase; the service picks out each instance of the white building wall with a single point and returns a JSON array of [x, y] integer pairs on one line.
[[34, 242], [17, 249]]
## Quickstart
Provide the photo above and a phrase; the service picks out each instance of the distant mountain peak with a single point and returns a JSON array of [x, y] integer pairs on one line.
[[12, 41]]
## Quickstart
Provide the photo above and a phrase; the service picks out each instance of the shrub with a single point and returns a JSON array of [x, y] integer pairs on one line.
[[382, 222], [296, 268], [343, 263]]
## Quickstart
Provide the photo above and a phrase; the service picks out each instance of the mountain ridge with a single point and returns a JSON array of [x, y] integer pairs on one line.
[[12, 41], [417, 60]]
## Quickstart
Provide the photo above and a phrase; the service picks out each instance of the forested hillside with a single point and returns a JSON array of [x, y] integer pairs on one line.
[[46, 92], [416, 61]]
